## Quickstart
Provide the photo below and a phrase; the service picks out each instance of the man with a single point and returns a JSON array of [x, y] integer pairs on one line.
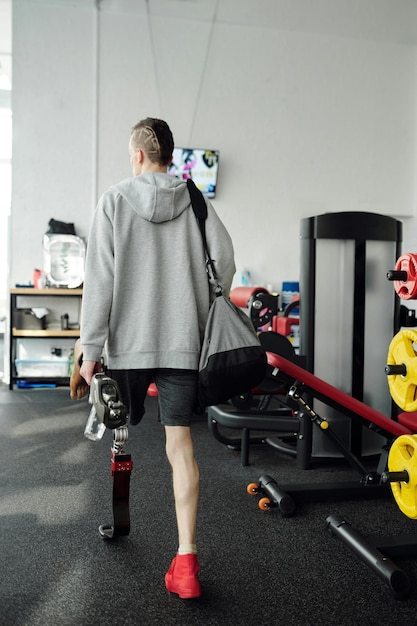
[[146, 300]]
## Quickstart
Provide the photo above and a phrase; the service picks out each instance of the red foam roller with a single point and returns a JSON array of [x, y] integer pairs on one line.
[[407, 289], [240, 296], [282, 325]]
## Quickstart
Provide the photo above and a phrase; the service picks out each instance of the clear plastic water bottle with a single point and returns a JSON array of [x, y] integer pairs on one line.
[[94, 429]]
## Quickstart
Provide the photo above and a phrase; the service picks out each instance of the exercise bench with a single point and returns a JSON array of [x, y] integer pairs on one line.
[[302, 384]]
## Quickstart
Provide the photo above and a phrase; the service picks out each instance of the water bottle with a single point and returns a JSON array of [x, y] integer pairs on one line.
[[94, 429], [65, 321]]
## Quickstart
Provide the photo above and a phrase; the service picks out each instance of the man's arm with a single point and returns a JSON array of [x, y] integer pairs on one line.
[[221, 250], [98, 281]]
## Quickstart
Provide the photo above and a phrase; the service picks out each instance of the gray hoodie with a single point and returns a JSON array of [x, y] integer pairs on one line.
[[146, 292]]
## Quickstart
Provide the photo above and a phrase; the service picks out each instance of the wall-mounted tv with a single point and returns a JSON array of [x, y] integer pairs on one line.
[[198, 164]]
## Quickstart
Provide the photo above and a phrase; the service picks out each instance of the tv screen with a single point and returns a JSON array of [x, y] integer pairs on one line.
[[200, 165]]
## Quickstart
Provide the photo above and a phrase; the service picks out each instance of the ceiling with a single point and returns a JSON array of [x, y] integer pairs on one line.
[[394, 21]]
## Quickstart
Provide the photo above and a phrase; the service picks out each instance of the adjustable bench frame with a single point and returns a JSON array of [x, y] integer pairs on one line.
[[376, 551], [304, 383], [289, 377], [280, 420]]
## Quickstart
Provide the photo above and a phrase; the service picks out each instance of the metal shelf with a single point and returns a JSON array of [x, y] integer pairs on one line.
[[46, 333], [16, 333]]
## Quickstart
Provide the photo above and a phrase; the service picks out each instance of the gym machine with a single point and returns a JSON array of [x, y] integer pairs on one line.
[[377, 552], [343, 289], [401, 474], [301, 386], [397, 467], [349, 313]]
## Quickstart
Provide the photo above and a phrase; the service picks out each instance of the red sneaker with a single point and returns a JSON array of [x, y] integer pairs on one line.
[[182, 576]]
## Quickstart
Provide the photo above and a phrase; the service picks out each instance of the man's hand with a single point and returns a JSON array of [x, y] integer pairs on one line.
[[82, 373], [88, 369]]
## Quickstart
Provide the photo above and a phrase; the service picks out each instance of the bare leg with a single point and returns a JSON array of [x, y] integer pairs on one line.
[[185, 476]]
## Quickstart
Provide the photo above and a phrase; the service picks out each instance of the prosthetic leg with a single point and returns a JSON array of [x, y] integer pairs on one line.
[[106, 400]]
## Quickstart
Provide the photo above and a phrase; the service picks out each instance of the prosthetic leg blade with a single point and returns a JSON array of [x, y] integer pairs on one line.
[[121, 469]]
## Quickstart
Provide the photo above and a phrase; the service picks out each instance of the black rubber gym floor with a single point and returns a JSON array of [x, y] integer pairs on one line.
[[256, 567]]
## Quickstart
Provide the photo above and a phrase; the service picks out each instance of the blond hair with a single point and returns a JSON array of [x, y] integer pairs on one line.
[[154, 137]]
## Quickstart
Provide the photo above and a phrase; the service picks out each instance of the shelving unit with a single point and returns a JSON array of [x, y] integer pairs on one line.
[[19, 333]]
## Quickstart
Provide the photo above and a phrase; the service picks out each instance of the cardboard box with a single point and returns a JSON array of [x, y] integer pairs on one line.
[[25, 319]]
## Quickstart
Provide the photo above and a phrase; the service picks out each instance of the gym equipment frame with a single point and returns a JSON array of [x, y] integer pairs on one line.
[[303, 383], [377, 551]]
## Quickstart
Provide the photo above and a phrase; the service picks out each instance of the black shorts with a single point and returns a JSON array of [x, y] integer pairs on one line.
[[177, 393]]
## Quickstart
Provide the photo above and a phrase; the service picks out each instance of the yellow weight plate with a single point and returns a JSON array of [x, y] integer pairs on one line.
[[403, 456], [402, 351]]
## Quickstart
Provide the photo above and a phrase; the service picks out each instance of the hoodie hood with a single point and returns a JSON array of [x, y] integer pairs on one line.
[[155, 196]]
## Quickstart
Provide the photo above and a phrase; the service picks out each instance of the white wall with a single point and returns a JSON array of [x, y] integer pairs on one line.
[[311, 104], [5, 151]]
